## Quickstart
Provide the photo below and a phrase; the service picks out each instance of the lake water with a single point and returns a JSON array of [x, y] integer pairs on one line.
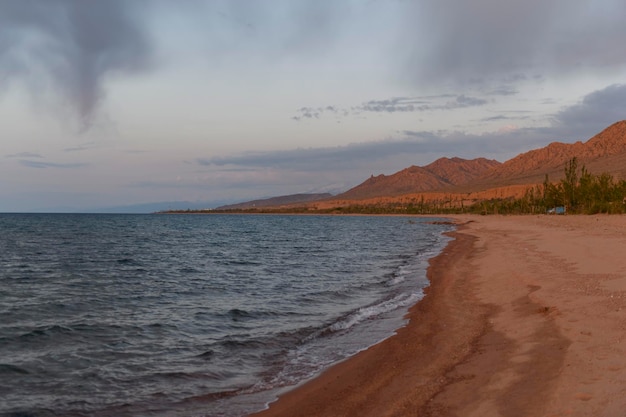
[[194, 315]]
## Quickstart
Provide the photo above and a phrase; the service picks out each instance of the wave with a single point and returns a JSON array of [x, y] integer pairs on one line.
[[369, 312], [316, 297], [239, 314], [6, 368], [46, 332]]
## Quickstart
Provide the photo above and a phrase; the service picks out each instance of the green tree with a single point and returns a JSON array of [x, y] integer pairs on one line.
[[570, 184]]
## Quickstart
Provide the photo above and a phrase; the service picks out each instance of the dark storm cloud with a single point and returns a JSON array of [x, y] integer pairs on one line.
[[72, 44], [71, 47], [483, 41], [596, 110]]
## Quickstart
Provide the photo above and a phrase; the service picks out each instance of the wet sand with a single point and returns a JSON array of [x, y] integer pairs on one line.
[[525, 316]]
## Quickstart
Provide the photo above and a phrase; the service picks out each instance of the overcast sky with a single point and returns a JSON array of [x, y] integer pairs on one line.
[[118, 102]]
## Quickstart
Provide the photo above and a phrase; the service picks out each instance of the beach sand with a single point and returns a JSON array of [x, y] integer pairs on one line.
[[525, 316]]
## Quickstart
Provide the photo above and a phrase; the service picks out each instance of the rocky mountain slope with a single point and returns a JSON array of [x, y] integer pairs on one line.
[[605, 152], [441, 174]]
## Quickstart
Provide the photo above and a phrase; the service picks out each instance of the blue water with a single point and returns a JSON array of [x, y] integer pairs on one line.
[[194, 315]]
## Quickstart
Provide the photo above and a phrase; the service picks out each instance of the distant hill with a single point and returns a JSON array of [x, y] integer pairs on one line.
[[145, 208], [277, 201], [441, 174]]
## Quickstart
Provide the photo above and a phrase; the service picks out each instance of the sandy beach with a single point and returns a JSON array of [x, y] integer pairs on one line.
[[525, 316]]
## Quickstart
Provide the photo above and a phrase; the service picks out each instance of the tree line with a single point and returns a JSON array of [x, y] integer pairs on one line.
[[580, 192]]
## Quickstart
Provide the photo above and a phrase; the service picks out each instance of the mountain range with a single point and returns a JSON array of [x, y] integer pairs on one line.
[[484, 178], [605, 152]]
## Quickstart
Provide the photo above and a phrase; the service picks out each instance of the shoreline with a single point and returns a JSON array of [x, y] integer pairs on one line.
[[524, 315], [410, 357]]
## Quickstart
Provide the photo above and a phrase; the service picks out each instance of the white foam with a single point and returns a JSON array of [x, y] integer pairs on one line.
[[365, 313]]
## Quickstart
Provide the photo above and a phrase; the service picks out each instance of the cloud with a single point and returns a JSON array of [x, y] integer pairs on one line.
[[503, 90], [421, 104], [507, 115], [71, 48], [311, 159], [495, 118], [463, 101], [82, 147], [596, 110], [490, 41], [24, 155], [74, 45], [40, 164], [410, 148], [288, 27], [396, 105]]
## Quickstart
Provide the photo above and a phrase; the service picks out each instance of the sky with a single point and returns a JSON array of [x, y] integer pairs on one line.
[[113, 103]]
